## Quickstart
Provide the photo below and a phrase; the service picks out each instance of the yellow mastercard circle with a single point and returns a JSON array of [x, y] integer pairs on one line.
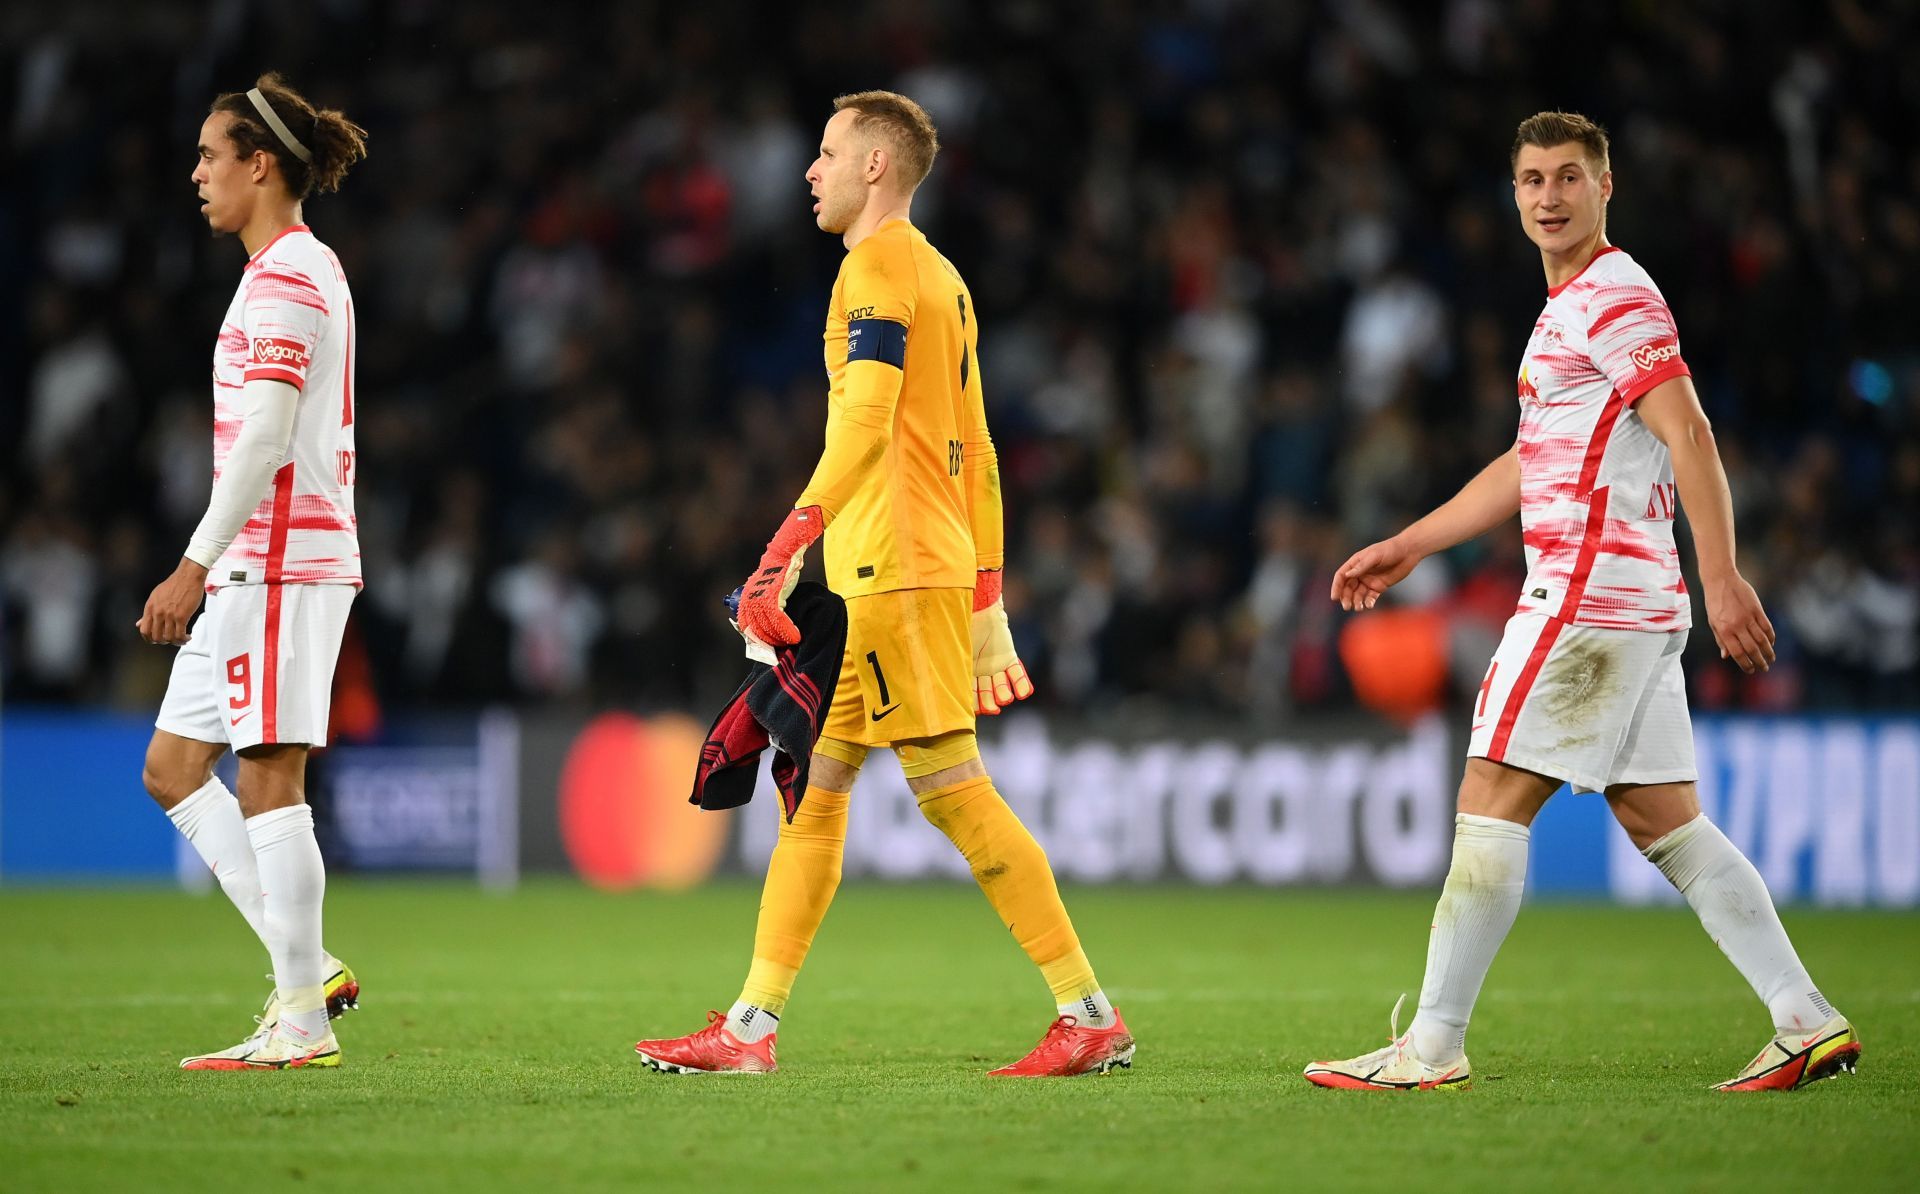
[[624, 816]]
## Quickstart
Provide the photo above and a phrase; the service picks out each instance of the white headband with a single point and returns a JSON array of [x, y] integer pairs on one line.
[[278, 125]]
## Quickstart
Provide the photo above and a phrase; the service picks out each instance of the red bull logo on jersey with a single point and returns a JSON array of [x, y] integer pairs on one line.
[[1529, 393], [1649, 355], [272, 350]]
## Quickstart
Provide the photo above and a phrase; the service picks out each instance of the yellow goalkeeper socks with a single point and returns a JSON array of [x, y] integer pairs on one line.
[[1012, 870], [801, 879]]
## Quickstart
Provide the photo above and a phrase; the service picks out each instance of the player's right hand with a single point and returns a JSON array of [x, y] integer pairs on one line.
[[172, 604], [1371, 571], [1740, 624], [762, 612]]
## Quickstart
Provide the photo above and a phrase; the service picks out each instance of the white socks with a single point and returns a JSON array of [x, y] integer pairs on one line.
[[294, 881], [1731, 900], [1477, 907], [210, 819], [270, 868], [751, 1023], [1092, 1011], [1482, 897]]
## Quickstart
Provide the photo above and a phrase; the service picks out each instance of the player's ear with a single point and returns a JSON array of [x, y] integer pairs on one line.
[[257, 168], [876, 163]]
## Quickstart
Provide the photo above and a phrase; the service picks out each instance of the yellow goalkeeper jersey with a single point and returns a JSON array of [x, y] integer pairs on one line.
[[908, 477]]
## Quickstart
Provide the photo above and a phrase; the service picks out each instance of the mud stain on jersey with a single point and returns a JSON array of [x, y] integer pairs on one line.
[[1581, 682]]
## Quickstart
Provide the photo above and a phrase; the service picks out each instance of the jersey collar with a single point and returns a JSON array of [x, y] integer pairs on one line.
[[287, 231], [1554, 291]]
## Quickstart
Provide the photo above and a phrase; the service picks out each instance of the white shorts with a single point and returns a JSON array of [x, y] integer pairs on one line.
[[258, 667], [1592, 706]]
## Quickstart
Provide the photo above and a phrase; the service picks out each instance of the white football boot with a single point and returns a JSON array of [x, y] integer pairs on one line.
[[268, 1049], [1393, 1068]]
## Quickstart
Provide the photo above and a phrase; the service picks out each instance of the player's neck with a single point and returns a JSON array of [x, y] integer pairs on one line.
[[876, 215], [269, 220], [1565, 267]]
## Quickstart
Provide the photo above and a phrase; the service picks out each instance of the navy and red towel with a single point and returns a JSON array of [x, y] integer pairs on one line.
[[782, 706]]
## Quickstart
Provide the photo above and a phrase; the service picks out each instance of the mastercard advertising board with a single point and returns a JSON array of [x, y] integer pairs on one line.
[[1828, 808], [623, 814]]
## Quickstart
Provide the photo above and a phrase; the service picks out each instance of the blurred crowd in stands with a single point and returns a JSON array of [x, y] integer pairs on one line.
[[1251, 288]]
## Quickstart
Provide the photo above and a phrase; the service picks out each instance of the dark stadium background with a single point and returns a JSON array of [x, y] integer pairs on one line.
[[1251, 293]]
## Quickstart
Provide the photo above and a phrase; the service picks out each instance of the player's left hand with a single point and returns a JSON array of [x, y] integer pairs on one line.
[[763, 598], [172, 604], [999, 678], [1739, 624]]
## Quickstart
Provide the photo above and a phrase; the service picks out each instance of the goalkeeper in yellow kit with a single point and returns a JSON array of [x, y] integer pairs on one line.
[[910, 490]]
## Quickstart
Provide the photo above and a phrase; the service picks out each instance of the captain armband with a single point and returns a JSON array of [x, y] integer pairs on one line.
[[881, 340]]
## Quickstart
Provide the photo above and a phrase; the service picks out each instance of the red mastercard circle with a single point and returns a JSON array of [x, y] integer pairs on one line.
[[624, 816], [1397, 660]]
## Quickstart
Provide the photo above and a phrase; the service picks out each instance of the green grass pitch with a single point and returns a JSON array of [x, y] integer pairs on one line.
[[494, 1049]]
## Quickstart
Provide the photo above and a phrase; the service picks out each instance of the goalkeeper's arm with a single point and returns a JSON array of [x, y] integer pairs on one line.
[[999, 678], [857, 439], [858, 434]]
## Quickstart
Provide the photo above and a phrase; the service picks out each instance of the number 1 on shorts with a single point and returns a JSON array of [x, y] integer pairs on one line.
[[880, 678]]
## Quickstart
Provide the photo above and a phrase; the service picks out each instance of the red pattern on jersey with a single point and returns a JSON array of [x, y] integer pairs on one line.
[[346, 379], [291, 321], [1589, 469], [285, 286]]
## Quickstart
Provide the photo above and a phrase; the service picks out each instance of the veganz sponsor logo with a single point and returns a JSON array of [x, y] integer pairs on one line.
[[1653, 354], [271, 351], [854, 313]]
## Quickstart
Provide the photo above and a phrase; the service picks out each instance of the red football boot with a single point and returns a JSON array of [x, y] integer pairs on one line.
[[712, 1050], [1069, 1050]]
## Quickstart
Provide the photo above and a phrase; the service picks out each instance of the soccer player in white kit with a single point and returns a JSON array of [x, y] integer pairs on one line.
[[1586, 687], [276, 557]]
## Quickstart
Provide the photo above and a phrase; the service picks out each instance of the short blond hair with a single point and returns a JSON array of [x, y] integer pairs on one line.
[[1548, 129], [902, 124]]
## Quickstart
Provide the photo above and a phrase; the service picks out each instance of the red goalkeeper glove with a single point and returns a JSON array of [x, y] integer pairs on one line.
[[999, 678], [763, 598]]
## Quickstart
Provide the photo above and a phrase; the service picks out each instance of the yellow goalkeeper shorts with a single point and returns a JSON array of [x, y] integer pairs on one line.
[[908, 671]]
